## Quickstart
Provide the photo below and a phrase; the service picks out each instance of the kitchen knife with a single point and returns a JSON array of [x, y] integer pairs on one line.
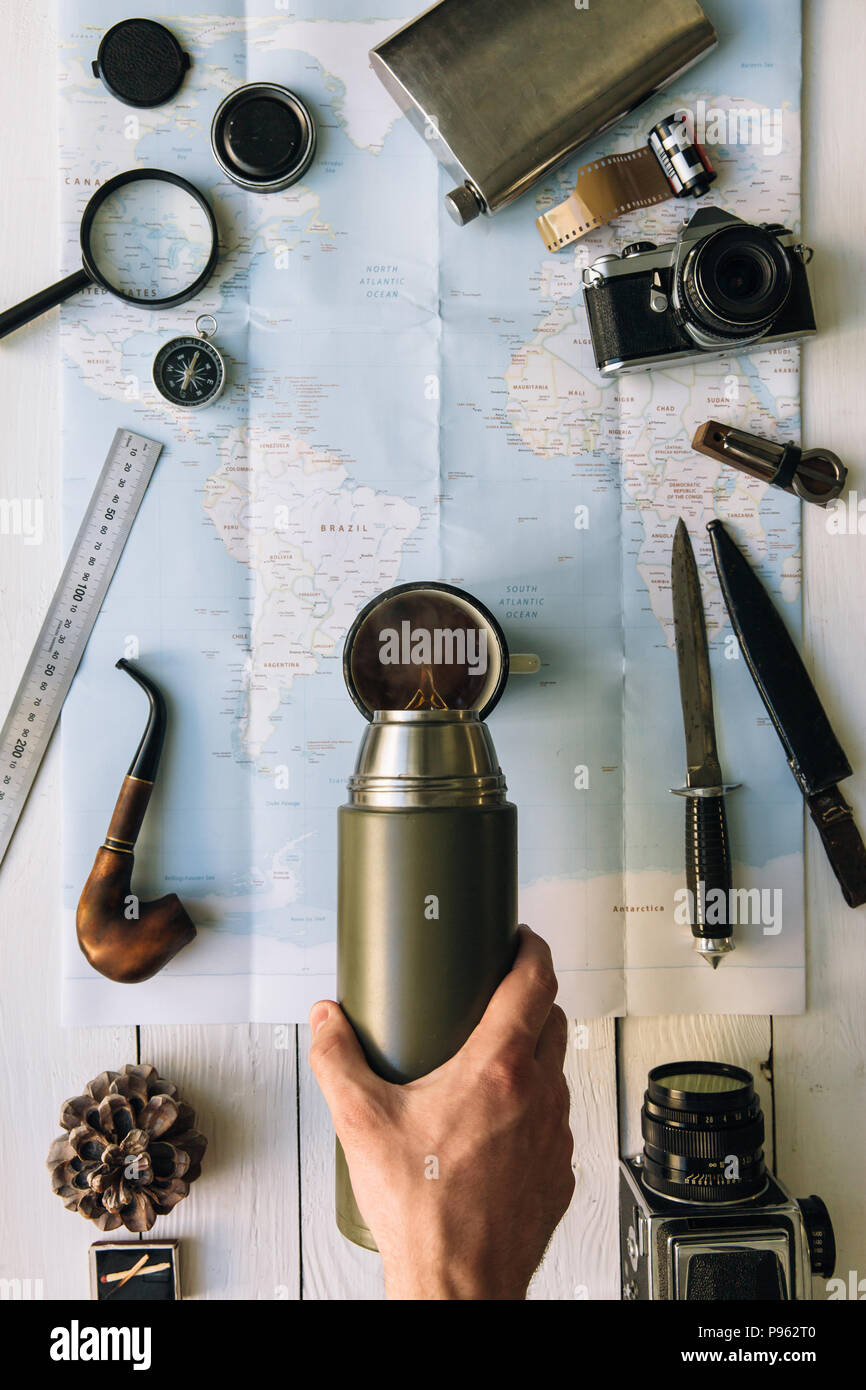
[[813, 751]]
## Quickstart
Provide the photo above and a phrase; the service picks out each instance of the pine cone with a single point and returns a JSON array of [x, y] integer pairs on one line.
[[130, 1151]]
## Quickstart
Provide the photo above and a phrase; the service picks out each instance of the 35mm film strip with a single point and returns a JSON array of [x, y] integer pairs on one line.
[[670, 165]]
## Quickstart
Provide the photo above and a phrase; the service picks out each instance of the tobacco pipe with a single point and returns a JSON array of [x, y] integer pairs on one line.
[[124, 939]]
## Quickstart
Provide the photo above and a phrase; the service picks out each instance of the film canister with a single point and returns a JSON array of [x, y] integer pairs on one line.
[[263, 137], [685, 162]]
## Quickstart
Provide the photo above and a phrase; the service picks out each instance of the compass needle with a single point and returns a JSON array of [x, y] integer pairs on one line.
[[189, 372]]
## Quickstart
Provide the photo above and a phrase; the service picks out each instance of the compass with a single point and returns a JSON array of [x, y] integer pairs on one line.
[[189, 371]]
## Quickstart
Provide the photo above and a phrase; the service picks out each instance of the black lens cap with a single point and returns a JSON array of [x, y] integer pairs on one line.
[[140, 63], [263, 137]]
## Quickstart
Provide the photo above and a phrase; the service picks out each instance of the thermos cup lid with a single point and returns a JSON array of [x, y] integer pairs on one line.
[[263, 137], [425, 646]]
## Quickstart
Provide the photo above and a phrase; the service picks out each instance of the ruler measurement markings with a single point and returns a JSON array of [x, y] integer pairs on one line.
[[73, 611]]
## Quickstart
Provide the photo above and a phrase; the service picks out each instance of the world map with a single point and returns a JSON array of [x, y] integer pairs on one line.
[[408, 400]]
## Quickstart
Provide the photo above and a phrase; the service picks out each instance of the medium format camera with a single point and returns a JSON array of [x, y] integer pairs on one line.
[[722, 285], [701, 1219]]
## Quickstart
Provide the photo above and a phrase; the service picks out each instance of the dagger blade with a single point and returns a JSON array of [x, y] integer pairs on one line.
[[814, 753], [693, 663]]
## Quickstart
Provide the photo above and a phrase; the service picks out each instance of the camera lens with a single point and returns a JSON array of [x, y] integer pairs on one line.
[[703, 1132], [740, 276], [735, 282], [263, 137]]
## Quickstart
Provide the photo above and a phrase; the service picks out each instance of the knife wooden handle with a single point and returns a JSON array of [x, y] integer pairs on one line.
[[708, 865]]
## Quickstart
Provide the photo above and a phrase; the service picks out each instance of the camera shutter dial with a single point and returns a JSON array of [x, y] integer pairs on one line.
[[819, 1231]]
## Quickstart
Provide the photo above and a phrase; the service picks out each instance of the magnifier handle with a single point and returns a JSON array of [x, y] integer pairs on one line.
[[37, 304]]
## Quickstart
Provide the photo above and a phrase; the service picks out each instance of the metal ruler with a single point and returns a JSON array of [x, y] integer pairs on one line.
[[74, 609]]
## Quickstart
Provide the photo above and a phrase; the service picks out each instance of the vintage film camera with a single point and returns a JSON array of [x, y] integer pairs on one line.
[[722, 285], [701, 1219]]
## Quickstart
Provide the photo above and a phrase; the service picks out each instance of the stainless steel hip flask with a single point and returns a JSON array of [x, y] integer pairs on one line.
[[504, 90]]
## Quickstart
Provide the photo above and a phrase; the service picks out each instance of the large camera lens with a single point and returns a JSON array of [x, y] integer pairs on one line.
[[703, 1132], [735, 282]]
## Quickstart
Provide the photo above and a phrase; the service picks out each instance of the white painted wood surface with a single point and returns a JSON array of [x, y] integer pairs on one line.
[[820, 1059], [259, 1224]]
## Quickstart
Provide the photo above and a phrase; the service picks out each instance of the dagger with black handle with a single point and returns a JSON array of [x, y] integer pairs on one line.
[[814, 753], [708, 859]]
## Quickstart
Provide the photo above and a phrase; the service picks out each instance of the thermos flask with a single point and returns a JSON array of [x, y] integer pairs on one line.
[[427, 846]]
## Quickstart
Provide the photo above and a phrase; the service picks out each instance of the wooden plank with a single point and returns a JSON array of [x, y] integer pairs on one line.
[[820, 1070], [43, 1063], [239, 1225], [581, 1261], [333, 1268]]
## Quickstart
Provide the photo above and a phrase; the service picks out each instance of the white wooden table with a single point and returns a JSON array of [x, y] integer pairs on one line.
[[259, 1224]]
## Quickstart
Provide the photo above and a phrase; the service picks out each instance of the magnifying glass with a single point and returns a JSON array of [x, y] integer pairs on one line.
[[147, 236]]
